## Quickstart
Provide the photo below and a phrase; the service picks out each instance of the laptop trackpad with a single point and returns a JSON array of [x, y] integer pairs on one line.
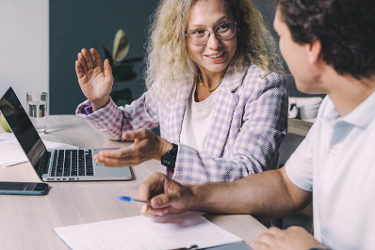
[[122, 173], [115, 172]]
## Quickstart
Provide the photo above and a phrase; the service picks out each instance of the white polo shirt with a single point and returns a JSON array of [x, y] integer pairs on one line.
[[336, 162]]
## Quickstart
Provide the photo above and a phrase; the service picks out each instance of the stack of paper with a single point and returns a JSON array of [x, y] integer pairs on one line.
[[11, 152], [166, 232]]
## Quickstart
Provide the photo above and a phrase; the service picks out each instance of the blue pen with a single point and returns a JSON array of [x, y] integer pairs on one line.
[[129, 199]]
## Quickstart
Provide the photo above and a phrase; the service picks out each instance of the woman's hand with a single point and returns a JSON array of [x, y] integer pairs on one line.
[[95, 82], [166, 196], [146, 146]]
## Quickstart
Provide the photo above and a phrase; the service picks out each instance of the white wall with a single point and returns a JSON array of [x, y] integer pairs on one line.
[[24, 46]]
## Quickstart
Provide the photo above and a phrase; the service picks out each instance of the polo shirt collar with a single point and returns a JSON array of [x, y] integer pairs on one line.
[[363, 114]]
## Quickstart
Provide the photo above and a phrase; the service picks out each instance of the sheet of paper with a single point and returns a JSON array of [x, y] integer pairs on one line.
[[166, 232], [7, 136], [11, 152]]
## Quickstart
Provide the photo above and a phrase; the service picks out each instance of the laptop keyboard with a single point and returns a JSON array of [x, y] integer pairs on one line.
[[72, 163]]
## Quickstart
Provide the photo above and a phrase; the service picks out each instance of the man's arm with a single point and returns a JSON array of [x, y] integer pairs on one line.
[[269, 194]]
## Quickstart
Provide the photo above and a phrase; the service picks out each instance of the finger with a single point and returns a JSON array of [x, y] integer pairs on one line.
[[107, 69], [135, 134], [264, 239], [115, 153], [116, 162], [149, 215], [129, 156], [152, 186], [96, 57], [145, 211], [259, 246], [86, 55], [274, 231], [83, 63], [154, 213], [164, 200], [157, 212], [79, 70]]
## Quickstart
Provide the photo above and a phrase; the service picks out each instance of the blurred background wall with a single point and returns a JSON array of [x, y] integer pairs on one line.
[[90, 24], [24, 46]]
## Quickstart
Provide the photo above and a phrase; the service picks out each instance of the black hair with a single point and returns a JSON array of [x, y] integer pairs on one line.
[[345, 28]]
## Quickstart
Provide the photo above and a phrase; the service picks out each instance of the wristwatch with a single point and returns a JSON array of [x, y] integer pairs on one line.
[[169, 159]]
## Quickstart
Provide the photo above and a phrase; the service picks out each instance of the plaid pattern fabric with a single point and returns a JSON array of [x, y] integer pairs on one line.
[[250, 121]]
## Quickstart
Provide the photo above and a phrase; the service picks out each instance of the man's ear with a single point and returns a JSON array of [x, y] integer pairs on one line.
[[315, 50]]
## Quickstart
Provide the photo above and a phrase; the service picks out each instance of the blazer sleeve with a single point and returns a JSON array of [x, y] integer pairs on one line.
[[255, 147], [112, 120]]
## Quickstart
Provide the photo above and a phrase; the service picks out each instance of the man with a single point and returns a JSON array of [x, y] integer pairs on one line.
[[329, 46]]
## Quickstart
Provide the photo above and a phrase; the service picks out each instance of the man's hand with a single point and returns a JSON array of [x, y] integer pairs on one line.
[[166, 196], [95, 82], [293, 238], [147, 146]]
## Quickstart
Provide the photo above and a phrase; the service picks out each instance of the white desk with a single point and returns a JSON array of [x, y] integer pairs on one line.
[[27, 222]]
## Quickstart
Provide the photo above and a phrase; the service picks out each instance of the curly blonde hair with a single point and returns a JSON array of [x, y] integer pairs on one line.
[[168, 61]]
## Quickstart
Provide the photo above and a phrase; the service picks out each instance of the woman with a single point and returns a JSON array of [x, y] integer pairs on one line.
[[222, 112]]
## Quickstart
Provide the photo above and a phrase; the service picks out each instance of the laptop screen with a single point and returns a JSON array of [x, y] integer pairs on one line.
[[21, 126]]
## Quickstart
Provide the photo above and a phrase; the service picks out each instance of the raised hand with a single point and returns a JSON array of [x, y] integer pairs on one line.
[[96, 83], [166, 196]]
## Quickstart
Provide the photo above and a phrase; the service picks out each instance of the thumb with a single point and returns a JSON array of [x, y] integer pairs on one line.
[[164, 200]]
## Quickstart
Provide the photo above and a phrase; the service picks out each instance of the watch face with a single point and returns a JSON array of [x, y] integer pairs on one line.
[[169, 159]]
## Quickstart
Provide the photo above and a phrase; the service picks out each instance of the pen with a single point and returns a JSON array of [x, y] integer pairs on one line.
[[129, 199]]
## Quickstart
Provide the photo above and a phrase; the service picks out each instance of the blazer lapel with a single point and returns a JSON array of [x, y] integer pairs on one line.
[[179, 112], [224, 111]]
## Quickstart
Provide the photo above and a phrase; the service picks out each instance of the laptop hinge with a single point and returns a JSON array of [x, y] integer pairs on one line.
[[44, 161]]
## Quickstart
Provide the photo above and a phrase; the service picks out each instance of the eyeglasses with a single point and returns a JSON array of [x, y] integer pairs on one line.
[[223, 31]]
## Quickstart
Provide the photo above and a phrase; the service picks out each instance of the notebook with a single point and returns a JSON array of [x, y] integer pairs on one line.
[[56, 164]]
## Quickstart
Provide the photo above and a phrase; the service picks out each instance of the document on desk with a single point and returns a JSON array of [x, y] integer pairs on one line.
[[11, 152], [140, 232]]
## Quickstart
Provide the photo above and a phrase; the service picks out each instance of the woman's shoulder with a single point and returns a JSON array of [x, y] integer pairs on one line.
[[262, 78], [166, 93]]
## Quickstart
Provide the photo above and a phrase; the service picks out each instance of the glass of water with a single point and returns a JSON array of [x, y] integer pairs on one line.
[[37, 109]]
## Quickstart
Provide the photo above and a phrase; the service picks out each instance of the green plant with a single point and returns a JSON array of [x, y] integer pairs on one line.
[[4, 124], [122, 70]]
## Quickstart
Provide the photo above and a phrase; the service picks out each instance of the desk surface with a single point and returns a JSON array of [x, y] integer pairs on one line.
[[27, 222]]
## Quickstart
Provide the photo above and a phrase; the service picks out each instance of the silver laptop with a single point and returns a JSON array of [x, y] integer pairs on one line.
[[56, 164]]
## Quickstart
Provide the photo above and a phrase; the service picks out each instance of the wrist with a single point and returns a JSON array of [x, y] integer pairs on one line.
[[196, 195], [165, 146], [98, 104]]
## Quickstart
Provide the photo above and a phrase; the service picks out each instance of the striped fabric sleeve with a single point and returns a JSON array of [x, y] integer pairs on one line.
[[112, 120]]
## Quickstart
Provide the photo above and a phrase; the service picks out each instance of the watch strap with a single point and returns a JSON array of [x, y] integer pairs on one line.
[[169, 159]]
